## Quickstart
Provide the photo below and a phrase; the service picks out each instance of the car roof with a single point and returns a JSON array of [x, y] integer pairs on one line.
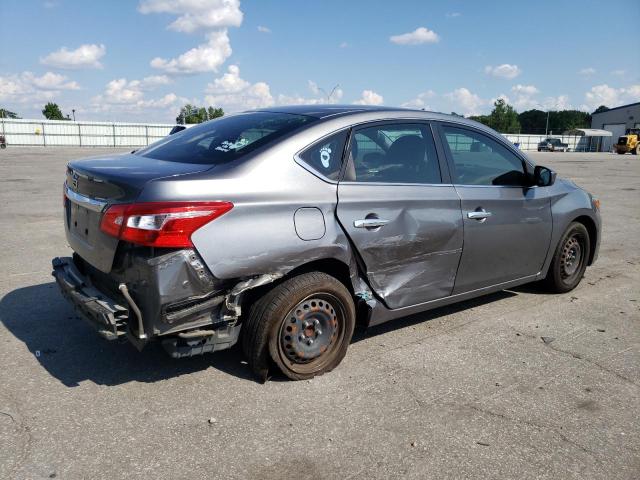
[[368, 112], [330, 110]]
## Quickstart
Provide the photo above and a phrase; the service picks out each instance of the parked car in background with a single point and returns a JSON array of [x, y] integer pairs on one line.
[[552, 145], [287, 227]]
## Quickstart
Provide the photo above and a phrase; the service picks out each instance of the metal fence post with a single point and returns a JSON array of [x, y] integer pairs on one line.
[[114, 134], [146, 133], [79, 136], [44, 136]]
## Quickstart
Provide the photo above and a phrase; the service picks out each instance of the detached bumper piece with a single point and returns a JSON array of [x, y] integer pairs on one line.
[[197, 342], [103, 313]]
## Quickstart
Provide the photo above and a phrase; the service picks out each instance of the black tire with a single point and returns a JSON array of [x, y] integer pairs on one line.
[[636, 151], [3, 146], [569, 260], [312, 307], [620, 152]]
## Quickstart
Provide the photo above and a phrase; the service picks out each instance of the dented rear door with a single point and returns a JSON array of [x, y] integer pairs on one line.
[[408, 235]]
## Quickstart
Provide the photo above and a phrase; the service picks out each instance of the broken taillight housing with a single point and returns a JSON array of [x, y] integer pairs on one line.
[[160, 224]]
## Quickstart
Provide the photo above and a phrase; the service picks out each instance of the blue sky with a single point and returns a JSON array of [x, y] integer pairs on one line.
[[140, 60]]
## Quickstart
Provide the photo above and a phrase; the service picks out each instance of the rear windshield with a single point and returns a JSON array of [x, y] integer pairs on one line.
[[225, 139]]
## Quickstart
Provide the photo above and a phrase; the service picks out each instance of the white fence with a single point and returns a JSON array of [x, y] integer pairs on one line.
[[117, 134], [81, 134], [577, 143]]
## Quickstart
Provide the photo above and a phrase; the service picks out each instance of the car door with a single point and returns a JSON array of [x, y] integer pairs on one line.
[[401, 212], [507, 222]]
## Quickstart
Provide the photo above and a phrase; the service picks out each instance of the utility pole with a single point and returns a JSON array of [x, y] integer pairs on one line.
[[546, 129], [73, 110]]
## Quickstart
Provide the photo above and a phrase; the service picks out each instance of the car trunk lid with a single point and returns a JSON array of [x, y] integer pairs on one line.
[[93, 184]]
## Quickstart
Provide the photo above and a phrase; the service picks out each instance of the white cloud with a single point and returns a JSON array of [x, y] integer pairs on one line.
[[420, 101], [313, 86], [524, 89], [464, 98], [123, 97], [50, 81], [155, 81], [85, 56], [588, 71], [263, 29], [453, 15], [28, 87], [320, 97], [207, 57], [120, 91], [503, 71], [343, 45], [196, 14], [369, 97], [560, 102], [418, 36], [618, 73], [610, 96], [233, 93]]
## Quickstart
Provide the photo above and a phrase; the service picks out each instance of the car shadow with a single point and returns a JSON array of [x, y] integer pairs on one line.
[[72, 352], [408, 321]]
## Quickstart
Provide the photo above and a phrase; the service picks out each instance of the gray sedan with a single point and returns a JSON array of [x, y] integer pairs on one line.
[[285, 228]]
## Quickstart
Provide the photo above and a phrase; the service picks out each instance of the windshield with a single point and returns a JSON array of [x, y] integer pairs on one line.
[[225, 139]]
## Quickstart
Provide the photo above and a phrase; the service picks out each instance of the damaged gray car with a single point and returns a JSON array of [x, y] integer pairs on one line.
[[284, 228]]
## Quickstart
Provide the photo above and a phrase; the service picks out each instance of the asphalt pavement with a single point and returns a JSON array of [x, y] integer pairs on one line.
[[519, 384]]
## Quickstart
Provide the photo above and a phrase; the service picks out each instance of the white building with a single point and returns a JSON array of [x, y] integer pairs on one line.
[[616, 120]]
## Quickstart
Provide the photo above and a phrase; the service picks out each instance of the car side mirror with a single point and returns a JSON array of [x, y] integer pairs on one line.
[[543, 176]]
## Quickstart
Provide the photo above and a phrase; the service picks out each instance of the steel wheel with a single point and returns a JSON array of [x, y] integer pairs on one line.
[[303, 325], [310, 332], [570, 259]]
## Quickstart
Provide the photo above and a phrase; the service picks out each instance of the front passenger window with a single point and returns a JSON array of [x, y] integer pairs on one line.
[[394, 153], [480, 160]]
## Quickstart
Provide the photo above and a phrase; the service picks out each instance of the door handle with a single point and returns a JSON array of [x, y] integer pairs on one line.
[[480, 215], [370, 223]]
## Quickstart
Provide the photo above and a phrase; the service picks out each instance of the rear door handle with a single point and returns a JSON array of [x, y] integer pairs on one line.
[[370, 223], [479, 215]]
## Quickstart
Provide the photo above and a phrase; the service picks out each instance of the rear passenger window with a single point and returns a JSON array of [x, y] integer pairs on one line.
[[480, 160], [325, 156], [395, 153]]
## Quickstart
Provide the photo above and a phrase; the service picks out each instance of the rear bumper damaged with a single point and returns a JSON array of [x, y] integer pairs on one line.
[[171, 298]]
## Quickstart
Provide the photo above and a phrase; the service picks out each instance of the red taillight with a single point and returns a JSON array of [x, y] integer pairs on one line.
[[160, 224]]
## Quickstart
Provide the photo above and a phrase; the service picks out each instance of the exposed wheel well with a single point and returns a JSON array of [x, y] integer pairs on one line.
[[593, 234], [330, 266]]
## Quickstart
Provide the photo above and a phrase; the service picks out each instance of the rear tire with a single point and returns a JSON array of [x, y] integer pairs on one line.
[[304, 326], [569, 260]]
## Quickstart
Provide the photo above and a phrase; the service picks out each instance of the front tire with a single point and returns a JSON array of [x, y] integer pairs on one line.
[[304, 326], [569, 260]]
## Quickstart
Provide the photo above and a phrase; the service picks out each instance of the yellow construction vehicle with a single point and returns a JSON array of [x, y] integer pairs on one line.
[[629, 142]]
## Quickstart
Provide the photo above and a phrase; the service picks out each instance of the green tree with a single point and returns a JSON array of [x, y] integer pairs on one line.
[[215, 112], [193, 114], [600, 109], [51, 111], [504, 118], [4, 113], [532, 121]]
